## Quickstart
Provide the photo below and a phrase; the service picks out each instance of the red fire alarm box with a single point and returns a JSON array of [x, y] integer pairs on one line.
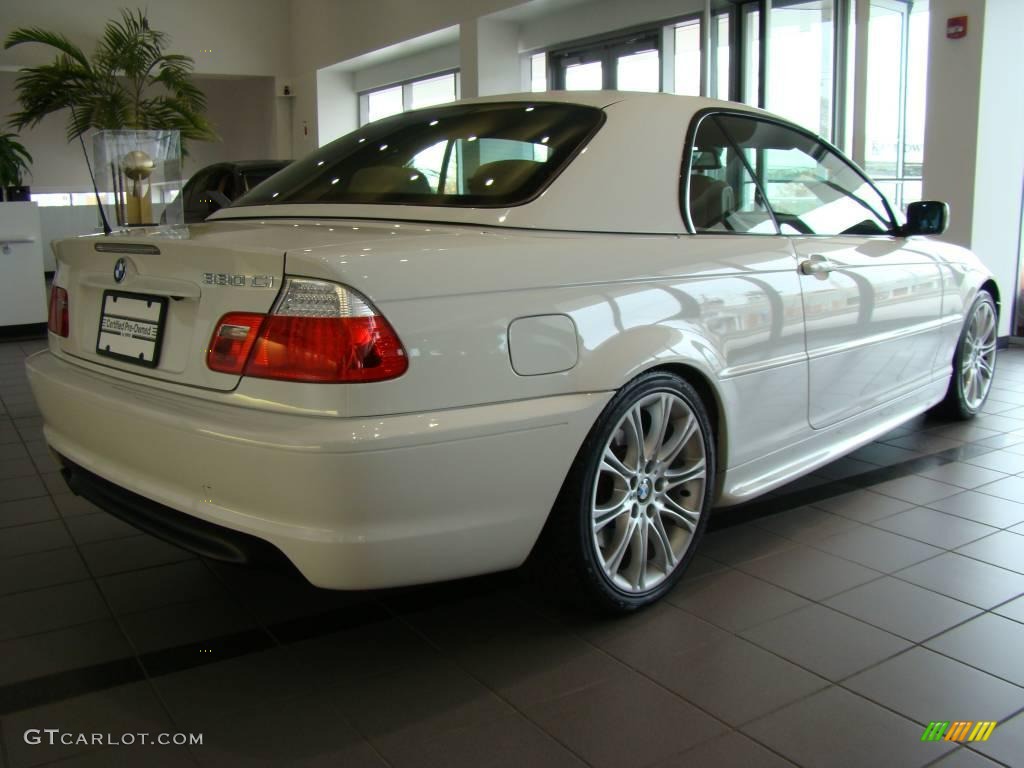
[[956, 27]]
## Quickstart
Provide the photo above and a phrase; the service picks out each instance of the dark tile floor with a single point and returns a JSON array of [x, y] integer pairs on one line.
[[826, 624]]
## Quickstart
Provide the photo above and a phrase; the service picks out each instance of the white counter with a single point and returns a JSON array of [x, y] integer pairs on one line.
[[22, 284]]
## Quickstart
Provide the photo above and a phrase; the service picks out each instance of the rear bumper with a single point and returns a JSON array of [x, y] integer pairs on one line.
[[185, 531], [353, 503]]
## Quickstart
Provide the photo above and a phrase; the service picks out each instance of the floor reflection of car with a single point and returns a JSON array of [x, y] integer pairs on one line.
[[574, 319], [216, 186]]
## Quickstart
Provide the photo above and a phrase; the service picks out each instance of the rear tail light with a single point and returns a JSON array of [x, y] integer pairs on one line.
[[316, 332], [232, 341], [58, 321]]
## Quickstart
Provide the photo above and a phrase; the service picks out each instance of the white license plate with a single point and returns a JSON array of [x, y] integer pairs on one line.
[[131, 327]]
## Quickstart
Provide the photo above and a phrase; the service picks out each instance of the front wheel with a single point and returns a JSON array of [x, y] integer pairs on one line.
[[638, 497], [974, 362]]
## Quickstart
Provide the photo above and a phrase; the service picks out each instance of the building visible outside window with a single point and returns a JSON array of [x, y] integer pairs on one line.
[[414, 94]]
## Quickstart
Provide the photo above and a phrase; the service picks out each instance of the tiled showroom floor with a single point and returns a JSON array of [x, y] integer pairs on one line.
[[825, 625]]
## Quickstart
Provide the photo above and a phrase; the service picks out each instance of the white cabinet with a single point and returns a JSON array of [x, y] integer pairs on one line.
[[22, 283]]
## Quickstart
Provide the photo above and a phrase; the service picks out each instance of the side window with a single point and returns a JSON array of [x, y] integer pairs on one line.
[[719, 191], [811, 189]]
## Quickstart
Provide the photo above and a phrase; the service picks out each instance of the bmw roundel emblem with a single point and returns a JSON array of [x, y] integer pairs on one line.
[[120, 268]]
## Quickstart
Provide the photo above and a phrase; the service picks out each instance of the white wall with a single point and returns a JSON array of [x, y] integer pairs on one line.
[[337, 104], [304, 113], [242, 112], [951, 122], [225, 37], [972, 157], [999, 174], [325, 32], [490, 57]]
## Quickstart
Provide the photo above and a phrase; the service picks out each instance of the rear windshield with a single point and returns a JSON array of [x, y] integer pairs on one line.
[[470, 155]]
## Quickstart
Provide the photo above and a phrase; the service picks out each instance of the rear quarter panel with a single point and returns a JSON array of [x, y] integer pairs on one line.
[[728, 308]]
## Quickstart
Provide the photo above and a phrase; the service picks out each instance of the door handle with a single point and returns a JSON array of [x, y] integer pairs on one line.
[[817, 266]]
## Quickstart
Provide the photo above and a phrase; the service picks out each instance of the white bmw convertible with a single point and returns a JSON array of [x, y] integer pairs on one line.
[[587, 318]]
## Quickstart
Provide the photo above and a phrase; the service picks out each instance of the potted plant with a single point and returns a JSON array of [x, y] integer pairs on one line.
[[14, 162], [129, 83]]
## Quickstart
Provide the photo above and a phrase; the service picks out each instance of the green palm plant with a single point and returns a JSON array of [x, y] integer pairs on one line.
[[129, 82], [14, 160]]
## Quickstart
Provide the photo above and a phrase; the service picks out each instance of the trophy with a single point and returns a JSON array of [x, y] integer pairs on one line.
[[139, 177], [138, 166]]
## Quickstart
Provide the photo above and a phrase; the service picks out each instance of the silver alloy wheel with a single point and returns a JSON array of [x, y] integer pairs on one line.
[[649, 492], [978, 361]]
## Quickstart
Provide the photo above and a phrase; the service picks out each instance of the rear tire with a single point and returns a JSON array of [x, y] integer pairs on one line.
[[637, 499], [974, 361]]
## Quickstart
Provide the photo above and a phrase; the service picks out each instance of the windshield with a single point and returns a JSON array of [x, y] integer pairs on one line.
[[470, 155]]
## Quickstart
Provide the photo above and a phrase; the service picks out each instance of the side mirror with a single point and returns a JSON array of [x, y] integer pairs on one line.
[[927, 217]]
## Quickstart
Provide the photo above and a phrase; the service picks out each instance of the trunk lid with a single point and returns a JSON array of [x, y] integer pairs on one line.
[[167, 302]]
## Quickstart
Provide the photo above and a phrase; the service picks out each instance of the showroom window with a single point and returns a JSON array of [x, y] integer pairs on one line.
[[412, 94], [686, 38], [630, 63], [160, 195], [798, 58], [895, 105], [800, 63], [539, 72]]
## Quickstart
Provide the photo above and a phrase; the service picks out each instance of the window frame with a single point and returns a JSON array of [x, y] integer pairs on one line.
[[687, 161], [363, 97]]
